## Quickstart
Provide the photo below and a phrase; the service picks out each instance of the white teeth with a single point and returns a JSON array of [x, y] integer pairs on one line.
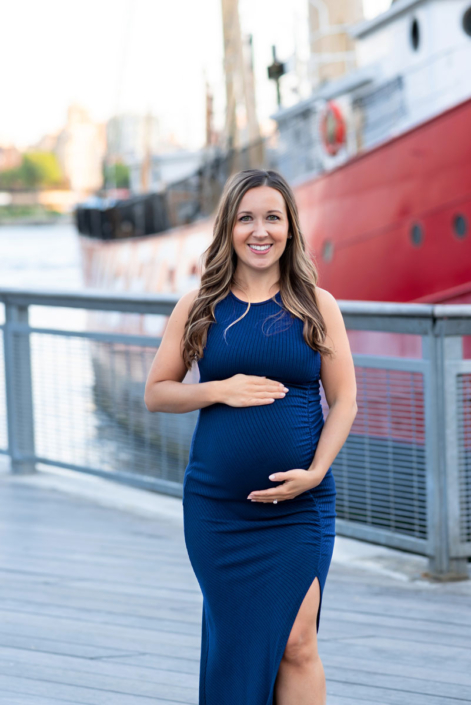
[[260, 247]]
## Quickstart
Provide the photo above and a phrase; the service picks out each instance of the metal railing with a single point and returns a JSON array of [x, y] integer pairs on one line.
[[73, 397]]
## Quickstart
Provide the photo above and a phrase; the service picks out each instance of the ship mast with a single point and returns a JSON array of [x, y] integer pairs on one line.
[[241, 128], [147, 155]]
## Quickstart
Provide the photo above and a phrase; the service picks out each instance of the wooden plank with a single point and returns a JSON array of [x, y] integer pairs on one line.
[[66, 597], [178, 621], [53, 647], [128, 664], [413, 631], [416, 653], [165, 685], [10, 698], [346, 700], [92, 649], [80, 695], [371, 694], [181, 593], [158, 642], [367, 660], [338, 670]]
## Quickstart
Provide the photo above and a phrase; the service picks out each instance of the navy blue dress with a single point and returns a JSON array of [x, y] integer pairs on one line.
[[254, 561]]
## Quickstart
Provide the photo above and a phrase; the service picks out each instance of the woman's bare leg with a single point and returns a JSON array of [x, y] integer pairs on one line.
[[301, 678]]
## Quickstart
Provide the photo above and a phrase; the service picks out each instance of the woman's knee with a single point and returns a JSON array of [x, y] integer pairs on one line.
[[301, 648]]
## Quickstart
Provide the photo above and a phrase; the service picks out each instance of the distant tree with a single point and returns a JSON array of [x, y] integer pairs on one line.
[[41, 169], [37, 170], [9, 179], [116, 175]]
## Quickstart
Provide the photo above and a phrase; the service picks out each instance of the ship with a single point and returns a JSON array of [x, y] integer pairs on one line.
[[379, 159], [380, 163]]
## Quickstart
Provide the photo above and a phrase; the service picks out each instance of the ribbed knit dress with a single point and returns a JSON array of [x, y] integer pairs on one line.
[[254, 561]]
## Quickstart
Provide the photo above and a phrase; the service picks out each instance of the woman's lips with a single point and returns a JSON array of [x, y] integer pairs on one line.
[[260, 252]]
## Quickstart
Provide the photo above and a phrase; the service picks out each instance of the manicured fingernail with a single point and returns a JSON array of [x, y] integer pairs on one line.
[[286, 389]]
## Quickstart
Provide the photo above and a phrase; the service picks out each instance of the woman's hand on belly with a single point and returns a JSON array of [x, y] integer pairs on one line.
[[296, 482], [250, 390]]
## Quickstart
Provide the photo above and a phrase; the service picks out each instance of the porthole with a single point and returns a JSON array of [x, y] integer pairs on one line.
[[415, 34], [416, 235], [327, 251], [467, 22], [460, 225]]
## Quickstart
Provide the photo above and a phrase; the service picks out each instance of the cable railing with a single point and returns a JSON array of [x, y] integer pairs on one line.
[[72, 396]]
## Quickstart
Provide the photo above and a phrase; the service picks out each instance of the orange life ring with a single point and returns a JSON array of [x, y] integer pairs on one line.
[[333, 128]]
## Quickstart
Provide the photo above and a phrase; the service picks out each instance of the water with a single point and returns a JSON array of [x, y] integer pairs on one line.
[[40, 256], [44, 257], [77, 422]]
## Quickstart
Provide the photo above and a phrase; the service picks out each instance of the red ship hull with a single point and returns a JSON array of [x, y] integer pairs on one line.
[[367, 209]]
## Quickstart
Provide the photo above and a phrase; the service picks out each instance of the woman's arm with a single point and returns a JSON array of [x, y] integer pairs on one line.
[[164, 388], [338, 380]]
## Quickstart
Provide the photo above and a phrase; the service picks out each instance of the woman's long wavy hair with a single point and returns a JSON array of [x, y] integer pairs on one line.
[[298, 273]]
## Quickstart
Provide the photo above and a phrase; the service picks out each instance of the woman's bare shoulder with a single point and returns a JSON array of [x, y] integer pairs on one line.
[[326, 302], [181, 310], [330, 311], [190, 296], [186, 301]]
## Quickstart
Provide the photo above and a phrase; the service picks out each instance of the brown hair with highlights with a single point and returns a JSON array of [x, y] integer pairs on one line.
[[298, 273]]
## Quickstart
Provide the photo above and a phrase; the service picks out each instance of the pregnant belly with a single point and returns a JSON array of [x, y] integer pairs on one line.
[[235, 449]]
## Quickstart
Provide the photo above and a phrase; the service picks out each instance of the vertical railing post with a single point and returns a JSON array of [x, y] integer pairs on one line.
[[19, 389], [453, 355], [441, 564]]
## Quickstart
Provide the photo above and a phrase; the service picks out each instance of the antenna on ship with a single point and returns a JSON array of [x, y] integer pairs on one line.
[[275, 72]]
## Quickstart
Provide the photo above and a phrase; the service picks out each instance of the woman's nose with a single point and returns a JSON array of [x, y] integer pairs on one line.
[[259, 228]]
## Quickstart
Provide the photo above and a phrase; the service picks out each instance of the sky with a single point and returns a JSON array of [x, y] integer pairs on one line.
[[113, 56]]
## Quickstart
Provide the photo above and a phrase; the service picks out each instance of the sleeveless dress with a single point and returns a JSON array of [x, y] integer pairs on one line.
[[254, 561]]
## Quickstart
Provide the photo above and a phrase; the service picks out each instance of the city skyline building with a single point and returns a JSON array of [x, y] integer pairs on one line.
[[130, 136], [80, 149], [10, 157]]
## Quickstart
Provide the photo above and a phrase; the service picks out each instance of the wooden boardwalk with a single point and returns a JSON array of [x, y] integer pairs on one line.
[[100, 606]]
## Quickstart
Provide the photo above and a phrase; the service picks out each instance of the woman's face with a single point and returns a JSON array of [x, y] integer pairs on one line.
[[261, 228]]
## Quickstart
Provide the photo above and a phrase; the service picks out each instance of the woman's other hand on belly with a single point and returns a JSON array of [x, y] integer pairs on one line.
[[295, 482]]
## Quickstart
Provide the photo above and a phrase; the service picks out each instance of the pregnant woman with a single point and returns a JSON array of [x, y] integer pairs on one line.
[[258, 492]]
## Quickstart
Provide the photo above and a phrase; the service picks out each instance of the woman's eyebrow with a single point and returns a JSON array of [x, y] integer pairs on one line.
[[273, 210]]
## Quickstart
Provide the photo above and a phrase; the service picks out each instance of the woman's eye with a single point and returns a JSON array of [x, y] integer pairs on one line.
[[272, 215]]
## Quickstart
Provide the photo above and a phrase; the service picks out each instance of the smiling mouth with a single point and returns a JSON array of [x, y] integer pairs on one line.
[[259, 249]]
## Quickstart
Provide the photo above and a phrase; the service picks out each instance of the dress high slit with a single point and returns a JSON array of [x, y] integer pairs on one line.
[[254, 561]]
